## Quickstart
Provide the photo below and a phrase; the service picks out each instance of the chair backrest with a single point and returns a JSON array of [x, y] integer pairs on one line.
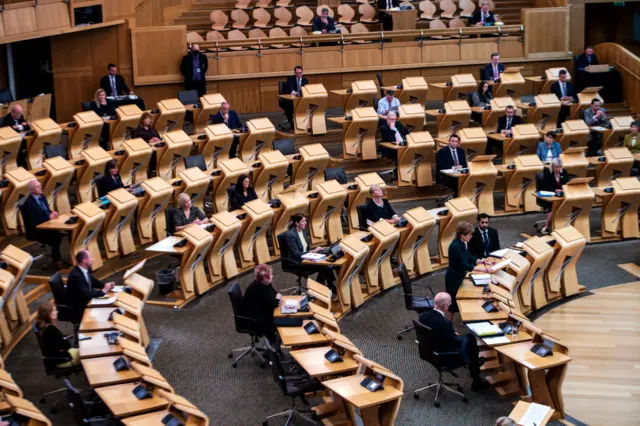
[[427, 8], [457, 23], [219, 19], [85, 106], [242, 4], [285, 146], [77, 403], [304, 14], [194, 37], [362, 217], [298, 31], [367, 13], [426, 344], [59, 292], [189, 97], [282, 15], [335, 173], [235, 295], [437, 24], [6, 96], [263, 3], [285, 263], [261, 17], [346, 13], [236, 35], [540, 181], [195, 161], [275, 33], [49, 364], [257, 33], [283, 3], [406, 284], [240, 19], [282, 90], [214, 36], [359, 28], [319, 9], [171, 225], [467, 6], [448, 8], [51, 151]]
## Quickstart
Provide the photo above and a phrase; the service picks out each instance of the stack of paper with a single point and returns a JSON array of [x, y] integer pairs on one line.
[[499, 253], [534, 415], [501, 265], [313, 256], [118, 288], [480, 279], [104, 301], [484, 329], [290, 306]]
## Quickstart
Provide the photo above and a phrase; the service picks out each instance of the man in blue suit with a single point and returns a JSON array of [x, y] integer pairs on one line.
[[492, 71], [586, 59], [450, 157], [35, 210], [565, 91]]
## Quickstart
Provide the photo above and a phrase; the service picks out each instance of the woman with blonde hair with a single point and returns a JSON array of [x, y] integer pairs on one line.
[[100, 105], [186, 213], [260, 300], [56, 348]]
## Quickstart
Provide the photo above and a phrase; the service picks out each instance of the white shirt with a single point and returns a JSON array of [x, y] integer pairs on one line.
[[303, 241], [86, 275], [633, 141], [549, 154], [112, 80], [384, 106]]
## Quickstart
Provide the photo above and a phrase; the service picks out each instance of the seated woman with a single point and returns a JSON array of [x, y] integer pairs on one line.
[[378, 208], [110, 179], [394, 132], [101, 106], [298, 244], [187, 214], [549, 149], [57, 349], [242, 193], [554, 177], [260, 300], [632, 140], [145, 130], [482, 97]]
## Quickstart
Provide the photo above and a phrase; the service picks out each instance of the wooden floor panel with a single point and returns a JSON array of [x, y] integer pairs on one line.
[[602, 332]]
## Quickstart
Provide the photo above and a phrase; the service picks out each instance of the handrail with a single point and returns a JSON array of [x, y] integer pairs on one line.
[[370, 36]]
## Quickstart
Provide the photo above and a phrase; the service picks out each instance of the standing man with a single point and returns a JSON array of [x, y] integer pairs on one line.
[[35, 210], [323, 23], [15, 120], [595, 116], [485, 239], [586, 59], [450, 158], [565, 91], [294, 87], [82, 286], [484, 16], [194, 67], [385, 17], [113, 83], [493, 69]]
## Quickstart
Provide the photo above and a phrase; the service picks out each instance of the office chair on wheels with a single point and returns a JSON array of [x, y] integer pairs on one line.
[[294, 386], [444, 362], [245, 325], [290, 266], [418, 304], [65, 311], [88, 411]]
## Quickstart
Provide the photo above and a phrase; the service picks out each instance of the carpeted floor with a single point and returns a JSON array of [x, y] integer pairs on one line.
[[191, 345]]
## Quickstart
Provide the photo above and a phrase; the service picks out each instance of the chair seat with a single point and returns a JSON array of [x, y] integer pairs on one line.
[[300, 385], [421, 304]]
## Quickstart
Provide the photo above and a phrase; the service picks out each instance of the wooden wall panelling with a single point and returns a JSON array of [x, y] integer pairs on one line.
[[438, 75], [359, 55], [118, 9], [231, 63], [401, 53], [477, 49], [157, 53], [322, 58], [155, 93], [19, 21], [577, 20], [150, 13], [213, 65], [269, 94], [440, 51], [629, 68], [547, 32], [511, 47], [241, 94], [276, 60], [2, 33], [52, 15]]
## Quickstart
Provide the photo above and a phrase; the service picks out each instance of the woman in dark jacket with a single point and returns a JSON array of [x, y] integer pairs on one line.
[[242, 193], [554, 178], [461, 261], [57, 349], [260, 300], [110, 179]]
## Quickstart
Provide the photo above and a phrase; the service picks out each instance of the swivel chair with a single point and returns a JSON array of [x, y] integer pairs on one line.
[[87, 411], [361, 210], [289, 266], [65, 311], [245, 325], [418, 304]]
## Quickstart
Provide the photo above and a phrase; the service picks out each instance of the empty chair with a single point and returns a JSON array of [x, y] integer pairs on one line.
[[257, 33], [219, 20], [346, 13], [418, 304], [243, 4], [237, 35], [283, 17], [458, 23], [448, 9], [468, 7], [428, 10], [215, 36], [319, 9], [240, 19], [359, 29], [265, 4], [276, 33], [245, 325], [367, 14], [437, 25], [284, 3], [194, 37], [261, 18], [299, 32], [305, 16]]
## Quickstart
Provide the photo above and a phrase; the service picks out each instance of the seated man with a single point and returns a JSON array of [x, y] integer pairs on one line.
[[15, 120], [35, 210], [113, 83], [587, 58], [492, 71], [549, 148], [323, 23], [483, 16], [231, 119], [294, 88], [484, 239], [447, 340], [505, 125], [595, 116], [565, 91], [388, 104], [82, 286], [450, 157], [378, 208]]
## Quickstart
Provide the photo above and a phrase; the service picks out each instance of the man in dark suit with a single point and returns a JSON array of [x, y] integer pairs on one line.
[[35, 210], [483, 16], [294, 87], [492, 71], [113, 83], [82, 286], [485, 239], [194, 68], [231, 119], [323, 23], [450, 157], [565, 91], [15, 120], [508, 120], [446, 339], [587, 58], [384, 17]]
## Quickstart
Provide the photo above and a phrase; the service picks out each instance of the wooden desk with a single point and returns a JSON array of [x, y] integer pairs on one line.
[[297, 336], [97, 346], [521, 408], [101, 372], [277, 312], [316, 365], [471, 310], [58, 224], [96, 319], [149, 419], [122, 402]]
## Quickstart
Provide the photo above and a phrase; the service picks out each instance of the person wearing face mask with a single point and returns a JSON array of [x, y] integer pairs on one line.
[[485, 239], [554, 177], [15, 120], [450, 157], [194, 68], [378, 208]]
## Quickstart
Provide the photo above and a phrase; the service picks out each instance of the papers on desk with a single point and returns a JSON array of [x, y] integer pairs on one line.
[[166, 245], [118, 288], [501, 265], [480, 279], [499, 253], [290, 306], [485, 329], [519, 244], [314, 257], [534, 415], [546, 193], [104, 301], [498, 340], [598, 128], [448, 171]]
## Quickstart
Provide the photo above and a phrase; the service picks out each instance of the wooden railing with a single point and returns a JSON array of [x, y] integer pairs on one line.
[[628, 65]]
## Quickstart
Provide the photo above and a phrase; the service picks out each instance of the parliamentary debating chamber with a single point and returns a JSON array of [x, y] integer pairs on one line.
[[342, 213]]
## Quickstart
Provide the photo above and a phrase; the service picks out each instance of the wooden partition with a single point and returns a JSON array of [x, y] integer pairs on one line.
[[547, 32], [628, 65], [157, 52], [19, 19]]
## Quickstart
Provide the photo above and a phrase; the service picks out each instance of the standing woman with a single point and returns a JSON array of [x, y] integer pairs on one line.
[[242, 193], [56, 348], [461, 261]]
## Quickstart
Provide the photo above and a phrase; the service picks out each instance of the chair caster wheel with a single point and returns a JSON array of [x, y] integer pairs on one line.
[[465, 400], [234, 365], [230, 356], [416, 396], [400, 337], [437, 404]]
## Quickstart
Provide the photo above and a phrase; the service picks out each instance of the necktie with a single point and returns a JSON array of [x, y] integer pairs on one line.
[[389, 4], [508, 123], [113, 86], [496, 74], [455, 157], [589, 59], [562, 89], [299, 86], [485, 239]]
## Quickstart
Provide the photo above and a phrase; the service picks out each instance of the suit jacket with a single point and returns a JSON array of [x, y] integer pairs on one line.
[[444, 159], [477, 17], [293, 85], [389, 135], [543, 148], [80, 292], [107, 184], [461, 261], [487, 71], [582, 62], [233, 123], [628, 143], [476, 245], [549, 182], [589, 118], [9, 121], [570, 90], [382, 5], [502, 122], [294, 245], [121, 86], [318, 25], [442, 330], [186, 66], [33, 215]]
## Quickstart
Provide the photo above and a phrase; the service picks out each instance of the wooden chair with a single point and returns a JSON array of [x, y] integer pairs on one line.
[[240, 19], [219, 20], [243, 4], [367, 14], [468, 7], [437, 24], [298, 32], [319, 9], [283, 17], [284, 3], [237, 35], [428, 10], [257, 33], [458, 23], [215, 36], [277, 33], [194, 37], [346, 13], [448, 9], [365, 1], [264, 4], [305, 16], [360, 29], [261, 18]]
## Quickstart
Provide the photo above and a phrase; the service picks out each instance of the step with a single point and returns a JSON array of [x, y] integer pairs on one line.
[[491, 365], [511, 388], [499, 378]]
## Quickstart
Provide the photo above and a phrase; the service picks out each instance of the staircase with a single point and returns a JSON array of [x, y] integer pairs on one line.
[[509, 10]]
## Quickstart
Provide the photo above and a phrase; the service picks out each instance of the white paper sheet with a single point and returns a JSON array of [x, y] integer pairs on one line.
[[483, 328], [534, 415], [496, 340]]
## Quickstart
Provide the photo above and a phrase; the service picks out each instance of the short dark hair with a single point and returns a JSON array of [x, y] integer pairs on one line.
[[298, 67], [635, 123], [325, 9], [81, 256], [563, 72], [551, 134], [588, 47], [482, 216], [510, 107], [110, 66], [494, 54], [391, 92], [594, 100], [454, 135]]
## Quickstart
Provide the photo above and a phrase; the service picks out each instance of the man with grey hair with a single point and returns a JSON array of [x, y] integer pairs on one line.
[[15, 120], [446, 339], [323, 23]]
